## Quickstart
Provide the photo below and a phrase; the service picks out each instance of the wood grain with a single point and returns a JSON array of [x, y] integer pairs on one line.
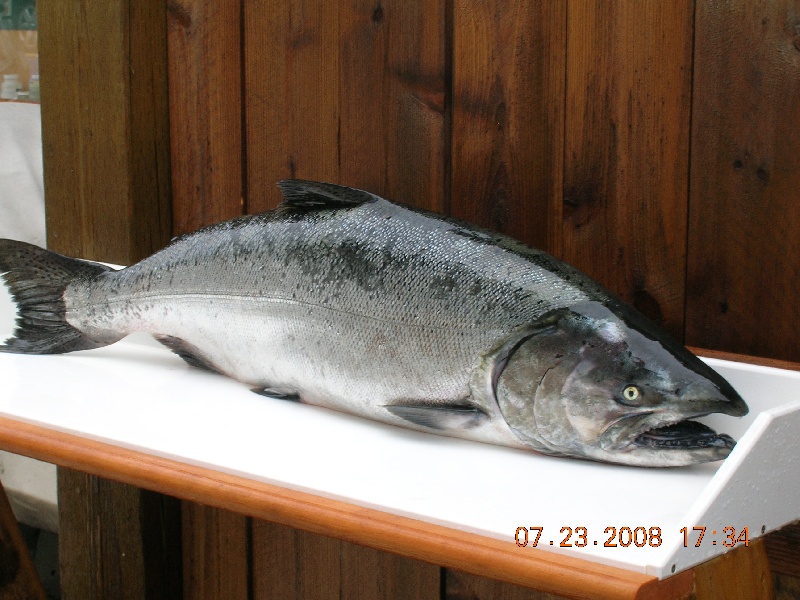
[[83, 141], [106, 174], [150, 178], [463, 586], [744, 227], [351, 93], [18, 577], [291, 71], [103, 525], [104, 128], [283, 567], [215, 551], [384, 576], [509, 61], [497, 559], [392, 99], [741, 574], [626, 155], [783, 550], [205, 99]]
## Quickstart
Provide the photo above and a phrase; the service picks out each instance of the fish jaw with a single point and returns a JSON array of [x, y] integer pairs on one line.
[[662, 440]]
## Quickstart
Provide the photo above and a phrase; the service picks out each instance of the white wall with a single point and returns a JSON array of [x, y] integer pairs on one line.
[[30, 484]]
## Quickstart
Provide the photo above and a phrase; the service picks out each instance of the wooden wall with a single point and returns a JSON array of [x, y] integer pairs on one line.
[[652, 144]]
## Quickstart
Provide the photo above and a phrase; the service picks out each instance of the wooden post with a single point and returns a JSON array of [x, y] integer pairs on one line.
[[105, 132]]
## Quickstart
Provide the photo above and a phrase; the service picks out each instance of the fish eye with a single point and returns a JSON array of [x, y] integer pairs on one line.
[[631, 393]]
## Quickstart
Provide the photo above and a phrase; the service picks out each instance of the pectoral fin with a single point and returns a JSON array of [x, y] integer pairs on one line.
[[278, 393], [439, 416]]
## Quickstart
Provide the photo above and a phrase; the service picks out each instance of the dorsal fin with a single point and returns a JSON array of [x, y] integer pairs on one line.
[[314, 195]]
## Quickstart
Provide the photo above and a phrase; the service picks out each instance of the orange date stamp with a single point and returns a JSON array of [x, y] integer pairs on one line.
[[626, 537], [578, 537], [728, 536]]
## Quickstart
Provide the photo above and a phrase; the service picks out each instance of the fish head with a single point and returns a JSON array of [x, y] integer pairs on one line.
[[598, 385]]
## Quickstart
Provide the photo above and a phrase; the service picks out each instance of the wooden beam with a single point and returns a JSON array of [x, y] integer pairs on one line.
[[105, 132]]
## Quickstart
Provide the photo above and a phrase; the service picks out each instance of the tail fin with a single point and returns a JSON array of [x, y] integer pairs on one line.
[[37, 280]]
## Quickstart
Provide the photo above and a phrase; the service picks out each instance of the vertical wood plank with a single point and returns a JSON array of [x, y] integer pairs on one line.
[[508, 117], [215, 550], [464, 586], [393, 121], [740, 574], [150, 173], [104, 128], [204, 41], [363, 77], [291, 564], [18, 577], [291, 95], [626, 156], [101, 549], [744, 228], [106, 163], [368, 573], [365, 81], [91, 133], [418, 99], [160, 532], [783, 550], [205, 72]]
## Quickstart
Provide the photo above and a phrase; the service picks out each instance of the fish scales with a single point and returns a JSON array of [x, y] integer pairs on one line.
[[365, 288], [346, 300]]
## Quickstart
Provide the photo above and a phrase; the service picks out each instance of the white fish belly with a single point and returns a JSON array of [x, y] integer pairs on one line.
[[330, 356]]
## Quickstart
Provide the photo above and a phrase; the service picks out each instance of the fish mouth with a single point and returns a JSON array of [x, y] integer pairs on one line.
[[652, 431], [684, 435]]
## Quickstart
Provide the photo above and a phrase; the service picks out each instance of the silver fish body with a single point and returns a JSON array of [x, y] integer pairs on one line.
[[342, 299]]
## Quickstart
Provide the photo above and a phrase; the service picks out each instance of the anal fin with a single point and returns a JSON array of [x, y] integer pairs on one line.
[[438, 415]]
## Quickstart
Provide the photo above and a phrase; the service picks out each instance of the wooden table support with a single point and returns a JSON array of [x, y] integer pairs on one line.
[[18, 577], [741, 574]]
